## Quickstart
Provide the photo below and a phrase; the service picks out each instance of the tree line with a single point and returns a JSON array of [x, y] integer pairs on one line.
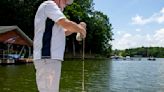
[[99, 29], [141, 51]]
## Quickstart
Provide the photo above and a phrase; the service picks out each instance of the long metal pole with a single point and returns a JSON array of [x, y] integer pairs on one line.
[[83, 72]]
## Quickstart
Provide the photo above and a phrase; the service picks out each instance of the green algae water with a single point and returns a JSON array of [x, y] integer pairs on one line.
[[100, 76]]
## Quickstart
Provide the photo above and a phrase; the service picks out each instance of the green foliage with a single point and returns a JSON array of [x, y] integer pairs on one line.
[[19, 12], [142, 51], [98, 27], [22, 13]]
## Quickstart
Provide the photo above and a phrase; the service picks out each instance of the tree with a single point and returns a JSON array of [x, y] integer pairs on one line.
[[22, 13], [143, 51]]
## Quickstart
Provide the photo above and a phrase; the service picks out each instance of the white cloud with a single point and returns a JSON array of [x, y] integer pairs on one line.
[[156, 17], [159, 37], [140, 20], [127, 35], [162, 11], [138, 30], [128, 40], [160, 19], [118, 32]]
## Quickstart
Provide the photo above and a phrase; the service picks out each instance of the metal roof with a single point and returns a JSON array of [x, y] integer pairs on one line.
[[18, 33]]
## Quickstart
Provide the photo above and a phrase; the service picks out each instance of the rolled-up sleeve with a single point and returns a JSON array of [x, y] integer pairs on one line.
[[53, 12]]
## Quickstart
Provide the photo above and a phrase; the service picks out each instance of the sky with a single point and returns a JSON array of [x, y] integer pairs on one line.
[[135, 23]]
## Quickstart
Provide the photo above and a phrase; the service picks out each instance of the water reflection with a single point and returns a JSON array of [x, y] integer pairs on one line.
[[17, 78], [136, 76], [100, 76]]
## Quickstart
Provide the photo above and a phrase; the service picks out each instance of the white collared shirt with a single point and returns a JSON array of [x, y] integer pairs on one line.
[[56, 45]]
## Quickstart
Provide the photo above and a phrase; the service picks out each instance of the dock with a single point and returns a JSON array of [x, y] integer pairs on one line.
[[15, 46], [13, 61]]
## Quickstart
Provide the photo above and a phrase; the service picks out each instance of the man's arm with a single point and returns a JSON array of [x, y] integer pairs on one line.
[[67, 32], [72, 26]]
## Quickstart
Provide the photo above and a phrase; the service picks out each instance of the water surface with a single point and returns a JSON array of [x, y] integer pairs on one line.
[[100, 76]]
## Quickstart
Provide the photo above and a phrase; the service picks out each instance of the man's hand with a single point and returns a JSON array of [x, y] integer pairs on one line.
[[83, 24], [83, 33]]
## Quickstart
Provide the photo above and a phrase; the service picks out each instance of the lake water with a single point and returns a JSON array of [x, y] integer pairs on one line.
[[100, 76]]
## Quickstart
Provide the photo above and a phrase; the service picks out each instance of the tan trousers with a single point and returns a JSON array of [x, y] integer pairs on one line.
[[48, 73]]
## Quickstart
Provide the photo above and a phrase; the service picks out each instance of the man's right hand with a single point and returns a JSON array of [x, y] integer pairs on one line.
[[83, 32]]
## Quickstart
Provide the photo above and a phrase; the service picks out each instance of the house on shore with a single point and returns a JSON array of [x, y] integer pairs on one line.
[[15, 45]]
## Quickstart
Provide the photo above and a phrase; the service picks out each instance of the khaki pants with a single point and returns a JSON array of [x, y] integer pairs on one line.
[[48, 73]]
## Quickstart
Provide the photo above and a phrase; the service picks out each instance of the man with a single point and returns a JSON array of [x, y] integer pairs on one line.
[[51, 27]]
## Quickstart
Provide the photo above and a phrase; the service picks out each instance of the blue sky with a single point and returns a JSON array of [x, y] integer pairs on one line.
[[136, 23]]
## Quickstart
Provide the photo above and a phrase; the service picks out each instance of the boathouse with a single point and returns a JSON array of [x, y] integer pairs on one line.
[[15, 45]]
